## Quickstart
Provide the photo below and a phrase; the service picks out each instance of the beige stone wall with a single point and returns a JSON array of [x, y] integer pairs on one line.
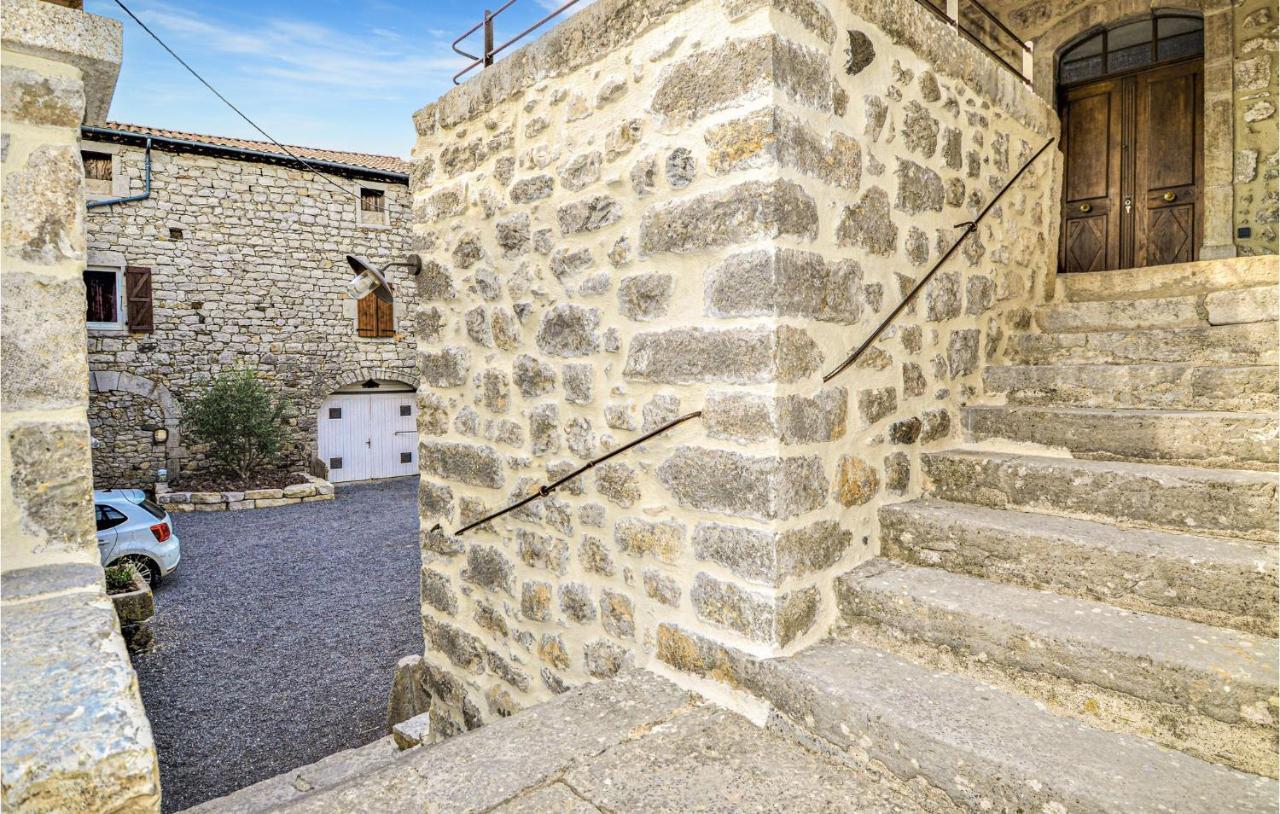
[[75, 735], [257, 278], [691, 221]]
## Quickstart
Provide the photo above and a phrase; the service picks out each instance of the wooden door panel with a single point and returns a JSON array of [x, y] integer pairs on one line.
[[1091, 187], [1168, 171]]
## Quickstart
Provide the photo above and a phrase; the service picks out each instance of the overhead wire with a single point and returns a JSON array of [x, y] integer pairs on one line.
[[229, 103]]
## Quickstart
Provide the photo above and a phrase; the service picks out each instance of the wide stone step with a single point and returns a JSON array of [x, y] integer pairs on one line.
[[1204, 690], [1179, 279], [1232, 307], [1200, 579], [1169, 387], [1194, 438], [1249, 344], [1219, 502], [990, 749], [635, 742]]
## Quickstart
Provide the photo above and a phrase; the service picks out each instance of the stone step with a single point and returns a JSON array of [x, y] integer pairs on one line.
[[1235, 307], [990, 749], [1168, 387], [324, 773], [1219, 502], [1194, 438], [1250, 344], [1203, 690], [1200, 579], [1179, 279], [635, 742]]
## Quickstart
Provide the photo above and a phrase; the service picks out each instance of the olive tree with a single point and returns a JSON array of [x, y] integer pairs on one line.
[[240, 420]]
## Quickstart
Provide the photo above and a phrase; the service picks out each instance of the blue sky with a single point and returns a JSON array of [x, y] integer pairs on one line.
[[342, 74]]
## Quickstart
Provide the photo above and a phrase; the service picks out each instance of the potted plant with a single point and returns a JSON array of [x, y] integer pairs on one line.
[[134, 602]]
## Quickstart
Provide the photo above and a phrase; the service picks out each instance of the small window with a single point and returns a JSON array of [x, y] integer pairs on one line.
[[175, 234], [374, 317], [335, 412], [335, 463], [103, 291], [406, 409], [97, 166], [406, 457], [373, 207], [1130, 46], [107, 517]]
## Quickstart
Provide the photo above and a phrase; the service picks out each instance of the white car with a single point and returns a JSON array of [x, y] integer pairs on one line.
[[133, 529]]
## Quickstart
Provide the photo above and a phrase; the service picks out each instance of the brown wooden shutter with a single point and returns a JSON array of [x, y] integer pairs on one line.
[[138, 303], [386, 318], [367, 316]]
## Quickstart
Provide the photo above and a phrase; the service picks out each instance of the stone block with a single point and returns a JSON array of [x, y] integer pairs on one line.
[[774, 619], [618, 482], [413, 732], [535, 601], [766, 488], [569, 330], [296, 490], [588, 215], [770, 556], [737, 355], [753, 210], [662, 540], [42, 356], [49, 474], [645, 297], [661, 588], [604, 659], [919, 188], [43, 220], [461, 648], [437, 591], [445, 368], [785, 282], [868, 224], [542, 551], [532, 377], [467, 463], [576, 603]]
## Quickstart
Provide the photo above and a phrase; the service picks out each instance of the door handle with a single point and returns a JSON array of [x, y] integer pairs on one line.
[[1128, 205], [1084, 207], [369, 443], [1170, 197]]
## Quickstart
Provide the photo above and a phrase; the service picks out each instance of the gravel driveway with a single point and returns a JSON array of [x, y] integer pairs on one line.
[[277, 636]]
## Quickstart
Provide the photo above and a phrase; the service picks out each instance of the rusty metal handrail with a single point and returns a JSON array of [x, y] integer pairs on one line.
[[970, 227], [951, 16], [487, 24]]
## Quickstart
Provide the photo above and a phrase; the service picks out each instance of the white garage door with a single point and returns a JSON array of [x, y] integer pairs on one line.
[[368, 436]]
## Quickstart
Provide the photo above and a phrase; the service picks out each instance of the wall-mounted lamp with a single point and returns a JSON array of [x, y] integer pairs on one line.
[[159, 435], [370, 279]]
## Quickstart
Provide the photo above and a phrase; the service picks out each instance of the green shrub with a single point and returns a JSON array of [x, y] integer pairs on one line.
[[240, 421], [119, 577]]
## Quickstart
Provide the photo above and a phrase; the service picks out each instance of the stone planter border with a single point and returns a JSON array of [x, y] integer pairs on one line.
[[134, 609], [314, 490]]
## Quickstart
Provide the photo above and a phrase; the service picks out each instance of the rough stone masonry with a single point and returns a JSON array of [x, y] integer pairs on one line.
[[674, 205]]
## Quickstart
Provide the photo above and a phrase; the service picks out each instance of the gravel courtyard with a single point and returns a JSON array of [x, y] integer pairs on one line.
[[277, 636]]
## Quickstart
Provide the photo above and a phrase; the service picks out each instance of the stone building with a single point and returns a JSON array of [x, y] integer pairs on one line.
[[234, 255]]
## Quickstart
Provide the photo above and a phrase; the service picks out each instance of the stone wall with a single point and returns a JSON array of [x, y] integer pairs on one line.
[[254, 275], [75, 735], [627, 221], [1257, 157]]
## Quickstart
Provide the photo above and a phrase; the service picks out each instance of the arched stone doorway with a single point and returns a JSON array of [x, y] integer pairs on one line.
[[1053, 27], [366, 428], [125, 411]]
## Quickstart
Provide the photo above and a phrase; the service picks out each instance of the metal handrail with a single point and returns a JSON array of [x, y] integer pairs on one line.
[[489, 50], [951, 16], [970, 227]]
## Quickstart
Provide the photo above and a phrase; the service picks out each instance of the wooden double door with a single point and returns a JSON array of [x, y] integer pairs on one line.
[[1133, 189]]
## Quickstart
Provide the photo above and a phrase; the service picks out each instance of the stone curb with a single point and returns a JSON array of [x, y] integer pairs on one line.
[[314, 490]]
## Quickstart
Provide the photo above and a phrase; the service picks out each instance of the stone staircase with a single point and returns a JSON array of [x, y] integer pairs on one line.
[[1080, 612]]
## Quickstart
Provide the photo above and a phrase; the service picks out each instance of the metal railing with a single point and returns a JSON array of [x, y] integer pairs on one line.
[[978, 25], [969, 228], [490, 51]]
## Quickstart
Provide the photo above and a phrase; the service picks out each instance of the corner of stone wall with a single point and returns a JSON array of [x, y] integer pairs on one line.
[[696, 223], [76, 737]]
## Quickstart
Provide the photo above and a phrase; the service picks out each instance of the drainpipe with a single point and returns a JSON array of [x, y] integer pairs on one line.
[[146, 193]]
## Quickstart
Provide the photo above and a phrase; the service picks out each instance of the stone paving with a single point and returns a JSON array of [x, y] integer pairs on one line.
[[277, 637]]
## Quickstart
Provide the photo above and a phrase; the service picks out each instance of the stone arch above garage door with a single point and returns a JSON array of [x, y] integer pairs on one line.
[[364, 374], [170, 411]]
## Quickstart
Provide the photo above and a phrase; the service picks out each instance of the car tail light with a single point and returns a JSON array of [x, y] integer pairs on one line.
[[161, 531]]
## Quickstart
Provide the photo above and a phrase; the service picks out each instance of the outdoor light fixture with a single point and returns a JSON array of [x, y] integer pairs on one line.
[[159, 435], [370, 279]]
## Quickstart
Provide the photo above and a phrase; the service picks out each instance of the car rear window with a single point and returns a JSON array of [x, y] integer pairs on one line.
[[156, 510]]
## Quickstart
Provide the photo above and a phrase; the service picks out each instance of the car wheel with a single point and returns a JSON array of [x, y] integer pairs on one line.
[[146, 567]]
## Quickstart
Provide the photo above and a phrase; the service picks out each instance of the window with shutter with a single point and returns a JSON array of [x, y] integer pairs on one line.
[[139, 309], [375, 317], [102, 289]]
